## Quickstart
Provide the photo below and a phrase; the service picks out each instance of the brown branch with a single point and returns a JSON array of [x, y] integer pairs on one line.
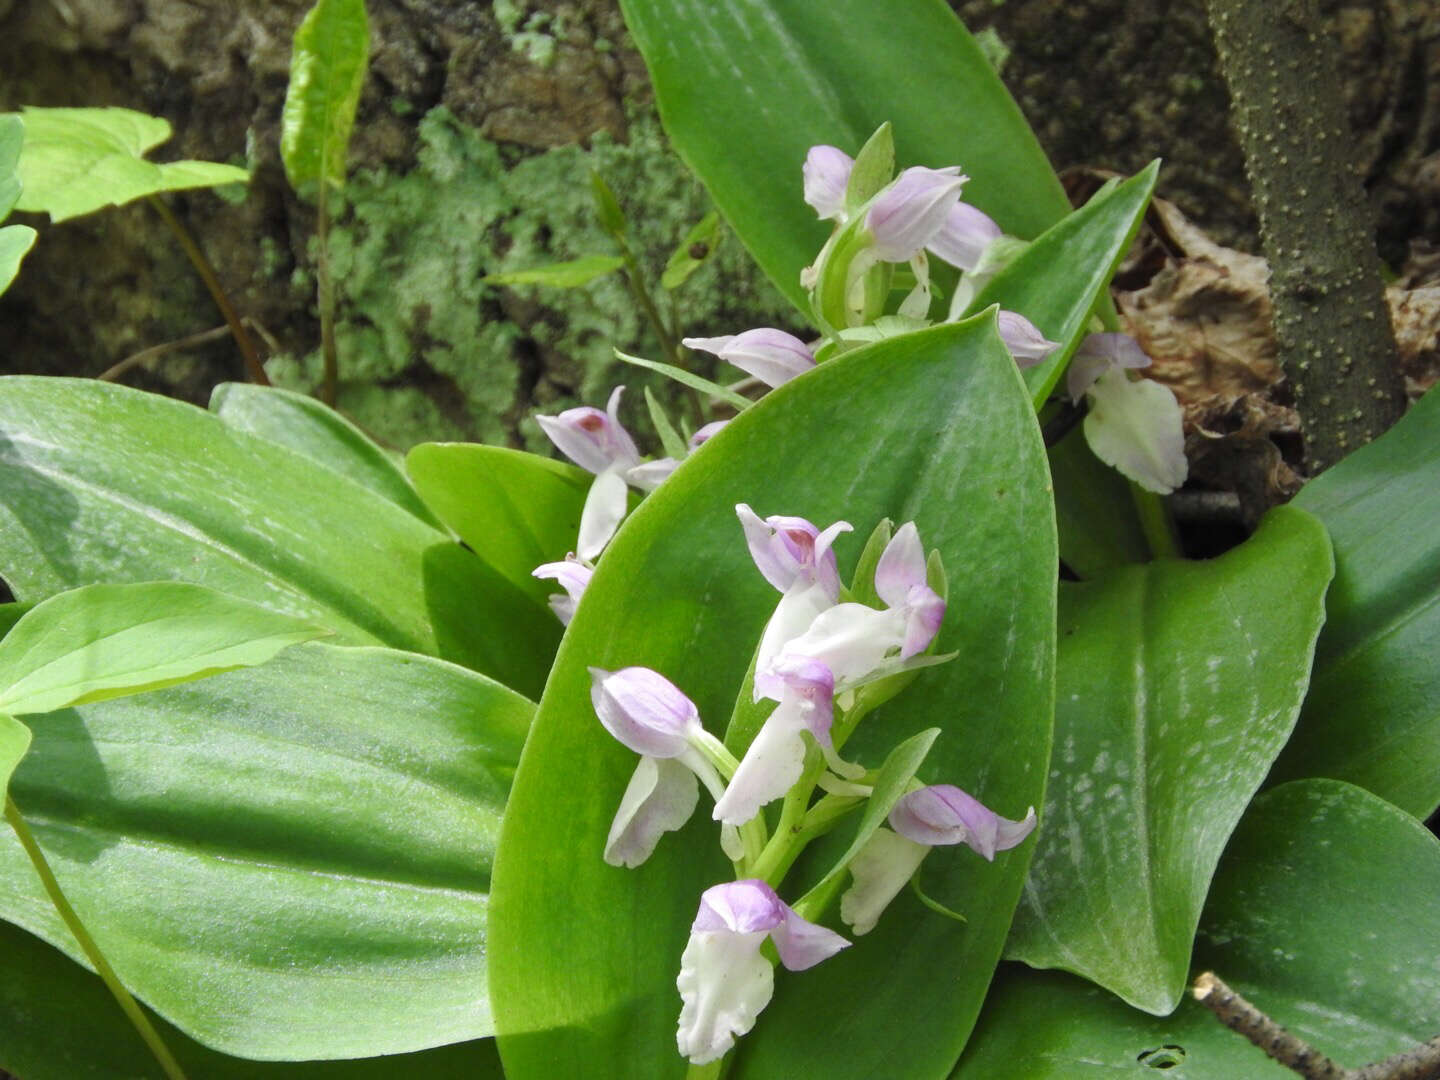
[[197, 258], [1239, 1015], [1332, 325], [1418, 1063], [134, 360]]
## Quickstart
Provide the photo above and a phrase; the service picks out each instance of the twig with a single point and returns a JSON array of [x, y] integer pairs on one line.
[[1418, 1063], [1239, 1015], [134, 360], [197, 258]]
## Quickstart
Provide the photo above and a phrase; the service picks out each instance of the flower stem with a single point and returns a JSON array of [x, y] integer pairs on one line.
[[92, 951], [325, 289], [1155, 522], [202, 266], [711, 1071]]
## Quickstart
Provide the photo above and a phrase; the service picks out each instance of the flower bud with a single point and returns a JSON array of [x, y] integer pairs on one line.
[[772, 356], [943, 814], [964, 236], [905, 217], [594, 440], [1023, 338], [827, 174], [644, 710]]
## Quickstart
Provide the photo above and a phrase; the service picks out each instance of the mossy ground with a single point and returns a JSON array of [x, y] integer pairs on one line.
[[429, 350]]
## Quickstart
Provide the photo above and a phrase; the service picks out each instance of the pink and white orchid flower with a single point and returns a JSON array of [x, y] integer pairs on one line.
[[724, 982], [650, 715], [599, 443], [932, 816]]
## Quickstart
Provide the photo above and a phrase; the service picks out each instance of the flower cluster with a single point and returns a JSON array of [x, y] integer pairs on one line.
[[824, 660], [880, 224]]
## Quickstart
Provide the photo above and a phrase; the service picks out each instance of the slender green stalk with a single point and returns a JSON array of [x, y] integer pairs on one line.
[[1155, 522], [92, 951], [664, 333], [253, 367], [326, 288], [712, 1071]]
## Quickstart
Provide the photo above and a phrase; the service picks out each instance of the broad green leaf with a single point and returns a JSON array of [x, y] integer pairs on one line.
[[1177, 684], [12, 138], [104, 641], [697, 246], [158, 489], [327, 71], [1057, 281], [1372, 716], [77, 161], [745, 89], [14, 745], [15, 243], [514, 510], [690, 379], [1094, 510], [1323, 913], [562, 275], [61, 1023], [584, 956], [300, 423], [286, 862]]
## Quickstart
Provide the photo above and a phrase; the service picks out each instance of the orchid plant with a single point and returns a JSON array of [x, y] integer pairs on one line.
[[319, 763]]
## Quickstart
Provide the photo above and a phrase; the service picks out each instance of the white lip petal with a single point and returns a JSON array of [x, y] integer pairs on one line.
[[1136, 427], [660, 798]]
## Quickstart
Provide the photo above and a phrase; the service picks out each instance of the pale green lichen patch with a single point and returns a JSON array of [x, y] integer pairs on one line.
[[427, 351]]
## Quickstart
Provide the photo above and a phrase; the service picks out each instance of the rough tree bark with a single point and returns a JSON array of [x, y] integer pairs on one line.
[[1333, 332]]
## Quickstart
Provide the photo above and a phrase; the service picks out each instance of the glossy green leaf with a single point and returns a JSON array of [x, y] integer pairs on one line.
[[1094, 510], [933, 427], [161, 490], [690, 379], [61, 1023], [696, 247], [12, 138], [307, 426], [1176, 686], [514, 510], [561, 275], [77, 161], [327, 71], [104, 641], [745, 89], [15, 243], [289, 861], [1057, 281], [1373, 713], [1324, 914]]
